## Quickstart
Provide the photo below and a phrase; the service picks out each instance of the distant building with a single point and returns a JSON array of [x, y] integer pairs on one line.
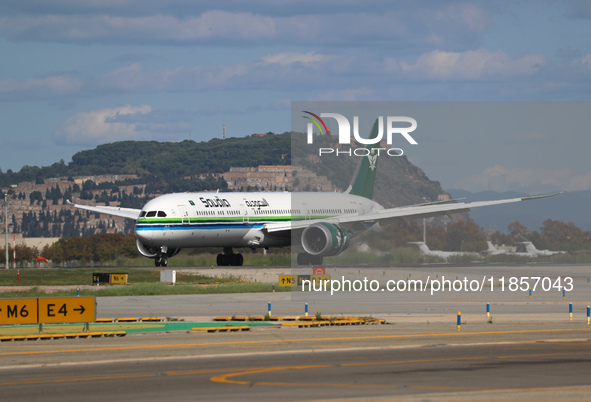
[[54, 220], [33, 242], [275, 178]]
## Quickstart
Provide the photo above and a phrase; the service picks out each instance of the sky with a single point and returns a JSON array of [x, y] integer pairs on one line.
[[76, 74]]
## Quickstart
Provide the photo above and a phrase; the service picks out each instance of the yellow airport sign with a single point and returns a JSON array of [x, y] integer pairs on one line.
[[320, 278], [118, 278], [18, 311], [297, 280], [302, 278], [67, 309], [288, 280]]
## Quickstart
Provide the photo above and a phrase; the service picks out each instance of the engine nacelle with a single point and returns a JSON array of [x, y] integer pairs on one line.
[[152, 252], [324, 239]]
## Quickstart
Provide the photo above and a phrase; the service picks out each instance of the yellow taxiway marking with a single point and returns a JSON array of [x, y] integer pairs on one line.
[[229, 378], [225, 378], [291, 340], [45, 380], [75, 379]]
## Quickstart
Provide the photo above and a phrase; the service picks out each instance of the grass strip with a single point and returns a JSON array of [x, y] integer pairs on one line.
[[149, 290]]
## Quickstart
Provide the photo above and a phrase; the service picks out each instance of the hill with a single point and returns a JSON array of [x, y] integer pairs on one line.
[[173, 167], [157, 161], [398, 181], [129, 173]]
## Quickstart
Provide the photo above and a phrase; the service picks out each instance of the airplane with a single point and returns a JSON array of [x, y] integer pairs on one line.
[[319, 224], [425, 250], [493, 250], [532, 251]]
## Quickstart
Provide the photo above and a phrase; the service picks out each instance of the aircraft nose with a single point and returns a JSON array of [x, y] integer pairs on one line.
[[142, 232]]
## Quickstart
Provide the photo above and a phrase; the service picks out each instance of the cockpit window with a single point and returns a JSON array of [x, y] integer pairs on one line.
[[151, 214], [142, 214], [161, 214]]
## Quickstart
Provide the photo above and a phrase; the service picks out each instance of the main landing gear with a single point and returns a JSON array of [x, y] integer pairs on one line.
[[229, 258]]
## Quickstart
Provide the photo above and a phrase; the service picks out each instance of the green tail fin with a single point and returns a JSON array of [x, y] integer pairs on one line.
[[365, 175]]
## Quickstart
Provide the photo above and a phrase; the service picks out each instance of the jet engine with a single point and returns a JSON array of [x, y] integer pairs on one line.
[[324, 239], [152, 252]]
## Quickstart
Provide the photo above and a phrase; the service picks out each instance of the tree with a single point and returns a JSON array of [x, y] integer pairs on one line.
[[465, 235], [36, 196], [564, 236], [129, 248], [517, 231], [499, 238]]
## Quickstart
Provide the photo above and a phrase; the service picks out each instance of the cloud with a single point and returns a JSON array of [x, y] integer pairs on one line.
[[338, 23], [278, 70], [134, 78], [155, 28], [321, 74], [346, 94], [500, 178], [585, 61], [470, 65], [292, 57], [464, 15], [119, 124], [49, 87]]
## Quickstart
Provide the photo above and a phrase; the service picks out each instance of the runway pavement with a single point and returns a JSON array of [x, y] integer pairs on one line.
[[312, 365], [528, 349]]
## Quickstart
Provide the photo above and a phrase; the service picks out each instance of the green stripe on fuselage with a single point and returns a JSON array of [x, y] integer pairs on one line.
[[226, 219]]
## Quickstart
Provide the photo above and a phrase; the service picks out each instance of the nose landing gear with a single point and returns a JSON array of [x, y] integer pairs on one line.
[[161, 260], [162, 257]]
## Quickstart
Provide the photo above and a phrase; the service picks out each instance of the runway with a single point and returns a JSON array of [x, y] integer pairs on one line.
[[528, 349], [541, 370]]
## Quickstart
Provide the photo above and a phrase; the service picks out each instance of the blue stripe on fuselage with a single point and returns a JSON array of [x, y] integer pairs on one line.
[[189, 226]]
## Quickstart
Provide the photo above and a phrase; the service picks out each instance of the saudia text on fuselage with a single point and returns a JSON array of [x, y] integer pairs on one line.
[[345, 135], [216, 202]]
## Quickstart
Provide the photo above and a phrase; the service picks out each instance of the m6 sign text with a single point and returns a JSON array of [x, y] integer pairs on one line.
[[47, 310], [18, 311]]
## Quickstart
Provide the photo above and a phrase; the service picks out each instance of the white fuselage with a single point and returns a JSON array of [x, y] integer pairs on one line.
[[183, 220]]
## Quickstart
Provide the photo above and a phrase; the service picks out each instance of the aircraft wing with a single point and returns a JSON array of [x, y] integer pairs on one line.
[[392, 214], [129, 213]]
